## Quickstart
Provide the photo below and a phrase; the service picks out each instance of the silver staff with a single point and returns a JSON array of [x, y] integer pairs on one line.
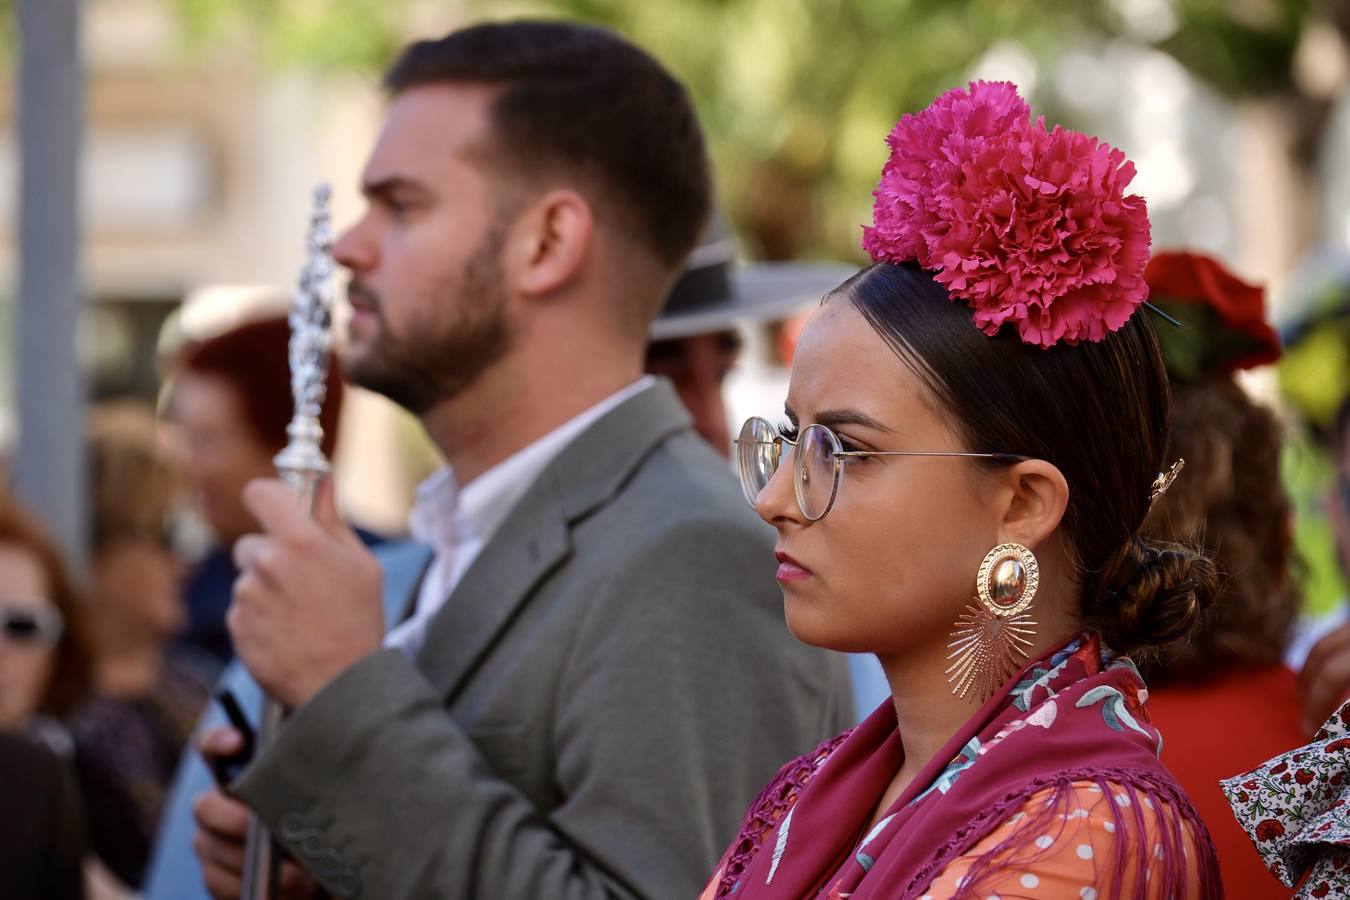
[[301, 465]]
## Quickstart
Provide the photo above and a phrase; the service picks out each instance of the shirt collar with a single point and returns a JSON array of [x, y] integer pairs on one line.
[[446, 514]]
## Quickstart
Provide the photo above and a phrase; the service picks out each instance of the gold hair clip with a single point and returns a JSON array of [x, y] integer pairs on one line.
[[1164, 481]]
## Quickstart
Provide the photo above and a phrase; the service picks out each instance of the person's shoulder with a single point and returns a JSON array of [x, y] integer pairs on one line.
[[28, 760], [682, 484]]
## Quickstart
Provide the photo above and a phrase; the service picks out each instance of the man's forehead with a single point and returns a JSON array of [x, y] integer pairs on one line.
[[432, 121]]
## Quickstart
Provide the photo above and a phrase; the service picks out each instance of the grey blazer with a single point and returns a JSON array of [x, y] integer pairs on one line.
[[601, 697]]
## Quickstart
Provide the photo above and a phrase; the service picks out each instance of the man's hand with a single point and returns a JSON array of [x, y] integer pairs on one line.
[[222, 823], [1325, 679], [307, 601]]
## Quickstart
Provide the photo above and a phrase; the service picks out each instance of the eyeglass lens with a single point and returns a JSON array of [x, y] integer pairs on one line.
[[815, 470], [758, 453]]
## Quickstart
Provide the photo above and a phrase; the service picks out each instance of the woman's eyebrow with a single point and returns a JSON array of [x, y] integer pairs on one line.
[[833, 418]]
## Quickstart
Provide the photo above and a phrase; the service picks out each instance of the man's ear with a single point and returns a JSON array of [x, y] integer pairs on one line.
[[549, 242], [1035, 496]]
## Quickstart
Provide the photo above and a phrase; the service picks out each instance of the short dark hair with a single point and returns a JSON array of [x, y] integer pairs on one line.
[[254, 359], [583, 98], [1099, 412]]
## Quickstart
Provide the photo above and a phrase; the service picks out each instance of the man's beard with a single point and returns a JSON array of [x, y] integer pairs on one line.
[[436, 361]]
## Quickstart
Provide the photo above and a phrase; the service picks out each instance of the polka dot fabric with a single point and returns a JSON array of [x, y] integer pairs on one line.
[[1070, 860]]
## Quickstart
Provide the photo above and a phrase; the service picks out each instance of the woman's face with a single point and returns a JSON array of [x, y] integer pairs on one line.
[[26, 656], [892, 563], [138, 580]]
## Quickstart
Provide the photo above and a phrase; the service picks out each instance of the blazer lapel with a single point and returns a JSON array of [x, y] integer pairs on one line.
[[536, 536]]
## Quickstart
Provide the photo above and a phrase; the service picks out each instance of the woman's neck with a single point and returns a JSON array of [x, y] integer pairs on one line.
[[927, 713]]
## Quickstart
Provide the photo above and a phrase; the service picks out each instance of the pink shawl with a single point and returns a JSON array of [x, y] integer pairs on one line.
[[1075, 716]]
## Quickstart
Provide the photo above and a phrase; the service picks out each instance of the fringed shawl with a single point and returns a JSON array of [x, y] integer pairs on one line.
[[1074, 717]]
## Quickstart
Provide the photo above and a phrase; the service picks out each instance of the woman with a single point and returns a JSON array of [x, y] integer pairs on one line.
[[145, 696], [1015, 757], [1231, 670], [44, 674]]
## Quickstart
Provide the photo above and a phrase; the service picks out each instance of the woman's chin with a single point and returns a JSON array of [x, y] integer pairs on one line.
[[812, 623]]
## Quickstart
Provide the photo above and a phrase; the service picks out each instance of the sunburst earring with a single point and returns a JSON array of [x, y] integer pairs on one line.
[[992, 637]]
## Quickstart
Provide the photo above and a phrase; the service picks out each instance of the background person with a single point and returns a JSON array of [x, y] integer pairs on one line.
[[145, 694], [230, 402], [1231, 501]]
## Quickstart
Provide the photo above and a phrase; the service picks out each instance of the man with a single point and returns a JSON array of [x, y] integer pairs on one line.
[[595, 678]]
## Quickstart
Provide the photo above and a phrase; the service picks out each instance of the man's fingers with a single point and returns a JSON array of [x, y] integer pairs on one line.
[[228, 856], [275, 506], [295, 883], [221, 816], [219, 842], [250, 553], [220, 742], [220, 883]]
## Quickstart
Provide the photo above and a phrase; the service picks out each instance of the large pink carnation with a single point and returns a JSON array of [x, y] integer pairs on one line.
[[1028, 226]]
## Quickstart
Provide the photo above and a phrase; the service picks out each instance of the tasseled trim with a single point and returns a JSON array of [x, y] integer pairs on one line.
[[768, 809], [1126, 790]]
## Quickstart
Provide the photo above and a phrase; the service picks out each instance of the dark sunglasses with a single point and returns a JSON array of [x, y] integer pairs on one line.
[[26, 625]]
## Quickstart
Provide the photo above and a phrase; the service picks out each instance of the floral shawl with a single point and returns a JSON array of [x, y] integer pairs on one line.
[[1075, 716]]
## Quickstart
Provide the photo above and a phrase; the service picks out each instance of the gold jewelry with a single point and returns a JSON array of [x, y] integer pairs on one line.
[[1164, 481], [992, 634]]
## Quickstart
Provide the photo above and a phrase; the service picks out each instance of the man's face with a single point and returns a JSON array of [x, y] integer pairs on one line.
[[698, 365], [427, 289]]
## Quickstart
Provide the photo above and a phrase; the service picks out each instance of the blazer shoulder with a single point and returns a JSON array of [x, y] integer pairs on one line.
[[683, 482]]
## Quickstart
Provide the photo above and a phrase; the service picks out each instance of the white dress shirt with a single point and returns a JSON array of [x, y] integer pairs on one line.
[[457, 522]]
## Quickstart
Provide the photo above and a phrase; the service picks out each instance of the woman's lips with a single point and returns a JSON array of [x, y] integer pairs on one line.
[[789, 569]]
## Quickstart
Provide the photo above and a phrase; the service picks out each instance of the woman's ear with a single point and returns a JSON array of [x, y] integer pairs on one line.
[[550, 242], [1036, 496]]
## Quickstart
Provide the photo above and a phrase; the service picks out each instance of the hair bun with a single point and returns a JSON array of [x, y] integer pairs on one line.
[[1155, 595]]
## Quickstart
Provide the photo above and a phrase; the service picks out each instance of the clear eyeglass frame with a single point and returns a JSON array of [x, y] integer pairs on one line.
[[817, 471]]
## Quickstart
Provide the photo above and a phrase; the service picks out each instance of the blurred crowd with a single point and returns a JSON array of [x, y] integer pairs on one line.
[[105, 672], [109, 668]]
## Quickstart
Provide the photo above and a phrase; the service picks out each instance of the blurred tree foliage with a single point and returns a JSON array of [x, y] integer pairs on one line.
[[797, 94]]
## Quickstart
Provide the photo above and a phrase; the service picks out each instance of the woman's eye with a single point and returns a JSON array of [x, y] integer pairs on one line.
[[850, 447], [788, 431]]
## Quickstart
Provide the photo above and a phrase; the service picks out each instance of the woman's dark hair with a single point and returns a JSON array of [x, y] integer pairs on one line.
[[1096, 411], [1232, 501], [71, 665]]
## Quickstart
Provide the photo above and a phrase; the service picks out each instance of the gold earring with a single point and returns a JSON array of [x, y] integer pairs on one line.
[[992, 634]]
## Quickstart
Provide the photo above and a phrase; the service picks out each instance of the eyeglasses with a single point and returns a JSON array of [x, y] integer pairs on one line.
[[30, 625], [818, 459]]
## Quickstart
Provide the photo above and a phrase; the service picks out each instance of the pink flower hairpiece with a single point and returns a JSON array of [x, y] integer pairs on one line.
[[1028, 226]]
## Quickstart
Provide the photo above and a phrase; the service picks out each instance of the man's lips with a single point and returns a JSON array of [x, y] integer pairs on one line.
[[789, 569], [361, 299]]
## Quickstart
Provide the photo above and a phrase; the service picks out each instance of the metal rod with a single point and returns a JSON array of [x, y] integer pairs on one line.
[[301, 465]]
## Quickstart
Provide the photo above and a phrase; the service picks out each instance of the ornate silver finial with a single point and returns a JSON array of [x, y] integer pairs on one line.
[[302, 463], [1164, 481]]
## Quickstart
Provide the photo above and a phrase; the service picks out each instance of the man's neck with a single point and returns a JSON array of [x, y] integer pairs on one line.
[[502, 413]]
